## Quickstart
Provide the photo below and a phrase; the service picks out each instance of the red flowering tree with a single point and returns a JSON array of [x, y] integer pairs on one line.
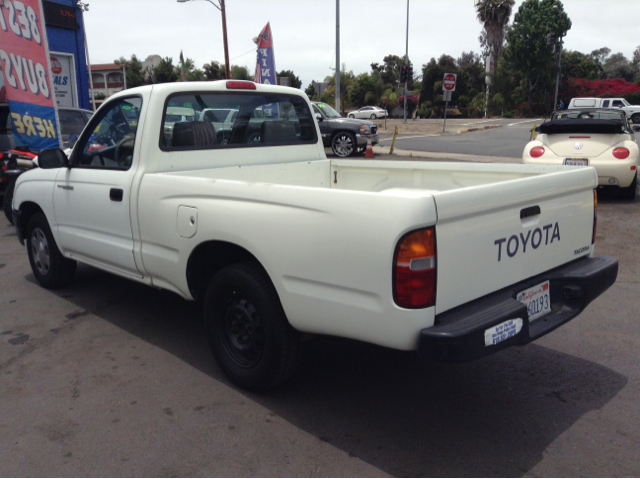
[[613, 87]]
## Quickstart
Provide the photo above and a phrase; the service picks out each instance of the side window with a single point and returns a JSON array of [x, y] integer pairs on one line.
[[111, 142], [71, 122], [605, 104], [617, 103]]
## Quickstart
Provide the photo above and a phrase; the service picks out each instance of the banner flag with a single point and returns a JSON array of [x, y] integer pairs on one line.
[[25, 62], [266, 63]]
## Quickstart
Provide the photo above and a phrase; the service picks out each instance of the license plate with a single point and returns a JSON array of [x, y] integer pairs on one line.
[[537, 299], [576, 161]]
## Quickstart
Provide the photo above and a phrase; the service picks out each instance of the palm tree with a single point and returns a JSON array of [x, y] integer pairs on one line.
[[494, 15]]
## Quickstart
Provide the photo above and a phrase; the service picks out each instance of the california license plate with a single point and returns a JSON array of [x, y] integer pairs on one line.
[[537, 299], [576, 161]]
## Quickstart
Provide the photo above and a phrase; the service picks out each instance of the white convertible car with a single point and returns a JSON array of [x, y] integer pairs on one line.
[[368, 112], [600, 138]]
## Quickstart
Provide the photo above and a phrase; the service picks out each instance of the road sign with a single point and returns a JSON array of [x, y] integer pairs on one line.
[[446, 95], [449, 82]]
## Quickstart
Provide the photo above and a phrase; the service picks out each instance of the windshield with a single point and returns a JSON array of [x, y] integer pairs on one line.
[[328, 111], [626, 103]]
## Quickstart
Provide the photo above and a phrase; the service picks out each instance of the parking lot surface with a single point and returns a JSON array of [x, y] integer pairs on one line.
[[112, 378]]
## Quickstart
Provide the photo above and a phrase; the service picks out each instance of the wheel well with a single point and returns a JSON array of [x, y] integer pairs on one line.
[[28, 209], [209, 258], [336, 133]]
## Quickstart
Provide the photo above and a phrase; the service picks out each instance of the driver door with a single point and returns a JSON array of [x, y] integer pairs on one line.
[[91, 199]]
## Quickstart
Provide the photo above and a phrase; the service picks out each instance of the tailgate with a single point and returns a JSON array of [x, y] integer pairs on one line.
[[491, 236]]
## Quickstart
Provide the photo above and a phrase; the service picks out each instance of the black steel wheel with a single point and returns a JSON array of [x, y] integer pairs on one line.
[[6, 202], [343, 144], [250, 337], [49, 266]]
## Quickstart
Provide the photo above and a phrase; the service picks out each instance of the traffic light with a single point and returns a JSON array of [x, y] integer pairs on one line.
[[404, 73], [410, 75]]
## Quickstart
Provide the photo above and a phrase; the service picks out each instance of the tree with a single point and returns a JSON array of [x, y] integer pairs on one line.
[[240, 73], [310, 90], [579, 65], [617, 66], [213, 71], [164, 72], [527, 37], [494, 15], [135, 75], [295, 81], [600, 55], [432, 73]]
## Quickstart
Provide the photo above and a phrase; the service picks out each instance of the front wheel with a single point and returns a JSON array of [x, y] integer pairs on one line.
[[343, 144], [49, 266], [352, 115], [629, 193], [635, 118], [373, 116], [250, 337]]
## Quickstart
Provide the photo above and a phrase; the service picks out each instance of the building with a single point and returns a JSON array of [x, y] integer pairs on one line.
[[108, 78]]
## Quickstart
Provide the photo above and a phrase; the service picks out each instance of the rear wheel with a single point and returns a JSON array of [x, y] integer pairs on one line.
[[373, 116], [352, 115], [629, 192], [6, 203], [49, 266], [249, 334], [635, 118]]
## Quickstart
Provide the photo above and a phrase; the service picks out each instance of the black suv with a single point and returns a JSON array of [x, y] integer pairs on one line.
[[345, 136]]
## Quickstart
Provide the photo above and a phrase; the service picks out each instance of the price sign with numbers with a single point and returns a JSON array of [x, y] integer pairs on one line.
[[24, 58]]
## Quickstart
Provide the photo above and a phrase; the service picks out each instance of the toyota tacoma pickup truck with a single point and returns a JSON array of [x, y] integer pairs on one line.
[[455, 261]]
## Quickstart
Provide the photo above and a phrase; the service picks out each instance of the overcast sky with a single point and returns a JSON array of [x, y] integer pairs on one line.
[[304, 30]]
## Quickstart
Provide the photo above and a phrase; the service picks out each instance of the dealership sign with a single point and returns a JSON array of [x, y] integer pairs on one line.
[[24, 58]]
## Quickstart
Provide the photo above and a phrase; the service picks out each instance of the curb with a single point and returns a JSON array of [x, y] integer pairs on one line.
[[480, 128], [442, 156]]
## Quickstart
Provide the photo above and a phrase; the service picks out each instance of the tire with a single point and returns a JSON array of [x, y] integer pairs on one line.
[[352, 115], [373, 116], [361, 151], [635, 118], [6, 202], [250, 337], [629, 193], [51, 269], [343, 144]]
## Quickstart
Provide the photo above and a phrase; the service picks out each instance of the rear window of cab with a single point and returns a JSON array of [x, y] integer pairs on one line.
[[237, 120]]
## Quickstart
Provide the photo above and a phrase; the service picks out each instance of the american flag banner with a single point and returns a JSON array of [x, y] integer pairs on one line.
[[265, 61]]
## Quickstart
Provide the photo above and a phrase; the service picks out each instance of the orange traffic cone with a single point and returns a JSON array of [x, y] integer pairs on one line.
[[369, 152]]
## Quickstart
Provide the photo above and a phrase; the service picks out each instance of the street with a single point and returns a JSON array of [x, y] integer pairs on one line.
[[108, 377]]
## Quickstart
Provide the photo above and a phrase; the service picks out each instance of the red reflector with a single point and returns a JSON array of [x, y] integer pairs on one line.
[[633, 168], [5, 167], [241, 85], [536, 152], [621, 153]]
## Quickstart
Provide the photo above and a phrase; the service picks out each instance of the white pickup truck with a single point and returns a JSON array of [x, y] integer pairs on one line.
[[453, 260], [632, 111]]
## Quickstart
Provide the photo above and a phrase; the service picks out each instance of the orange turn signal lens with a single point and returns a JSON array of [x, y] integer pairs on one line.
[[415, 270]]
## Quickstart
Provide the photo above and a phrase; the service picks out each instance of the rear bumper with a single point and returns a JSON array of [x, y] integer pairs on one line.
[[459, 334]]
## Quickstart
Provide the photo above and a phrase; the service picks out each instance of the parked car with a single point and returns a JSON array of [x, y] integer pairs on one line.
[[345, 136], [371, 112], [632, 111], [602, 138]]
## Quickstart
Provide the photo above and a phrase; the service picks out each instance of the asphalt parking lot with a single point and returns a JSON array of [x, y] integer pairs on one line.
[[111, 378]]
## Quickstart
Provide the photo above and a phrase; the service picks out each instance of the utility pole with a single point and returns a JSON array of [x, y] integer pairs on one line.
[[224, 39], [338, 56], [559, 65], [406, 62]]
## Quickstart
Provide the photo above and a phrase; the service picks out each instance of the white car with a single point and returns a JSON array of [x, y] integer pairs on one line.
[[369, 112], [600, 138]]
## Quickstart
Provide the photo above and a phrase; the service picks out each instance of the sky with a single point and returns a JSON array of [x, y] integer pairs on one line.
[[304, 32]]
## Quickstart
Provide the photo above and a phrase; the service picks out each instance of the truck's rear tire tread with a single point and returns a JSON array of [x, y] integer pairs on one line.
[[244, 293], [60, 270]]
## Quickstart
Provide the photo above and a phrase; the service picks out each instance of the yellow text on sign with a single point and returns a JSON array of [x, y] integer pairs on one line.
[[33, 126]]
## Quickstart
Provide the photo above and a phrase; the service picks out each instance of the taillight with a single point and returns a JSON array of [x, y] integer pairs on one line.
[[536, 152], [595, 215], [621, 153], [241, 85], [414, 282]]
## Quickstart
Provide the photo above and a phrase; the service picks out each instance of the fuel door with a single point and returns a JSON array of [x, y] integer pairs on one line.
[[187, 221]]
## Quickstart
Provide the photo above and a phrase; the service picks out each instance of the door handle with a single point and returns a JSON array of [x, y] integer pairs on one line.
[[115, 194]]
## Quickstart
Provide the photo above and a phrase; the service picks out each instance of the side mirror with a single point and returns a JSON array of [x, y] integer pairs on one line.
[[318, 117], [635, 127], [52, 158]]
